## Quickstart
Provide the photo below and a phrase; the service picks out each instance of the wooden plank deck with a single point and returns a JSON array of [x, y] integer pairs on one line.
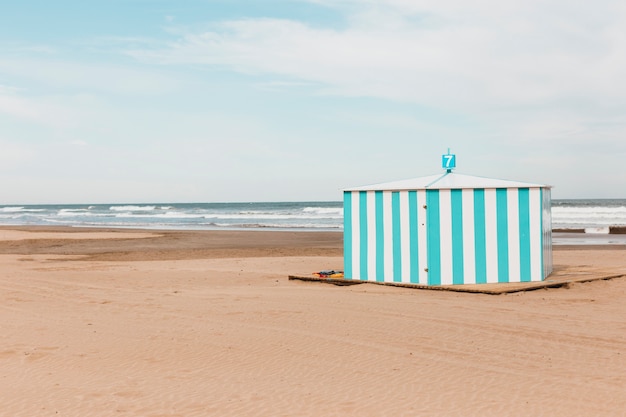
[[559, 278]]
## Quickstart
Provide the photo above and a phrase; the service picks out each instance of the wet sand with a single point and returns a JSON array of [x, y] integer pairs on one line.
[[167, 323]]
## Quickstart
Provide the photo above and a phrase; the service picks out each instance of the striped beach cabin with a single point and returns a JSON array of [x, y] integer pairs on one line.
[[448, 229]]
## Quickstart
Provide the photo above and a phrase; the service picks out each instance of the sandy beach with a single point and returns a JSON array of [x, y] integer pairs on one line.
[[101, 322]]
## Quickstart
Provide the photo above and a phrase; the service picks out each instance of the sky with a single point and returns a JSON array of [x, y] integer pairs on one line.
[[110, 101]]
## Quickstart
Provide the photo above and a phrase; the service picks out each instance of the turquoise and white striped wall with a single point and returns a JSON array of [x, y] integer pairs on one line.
[[443, 231]]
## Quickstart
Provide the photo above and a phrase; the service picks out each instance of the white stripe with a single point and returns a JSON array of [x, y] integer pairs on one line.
[[422, 233], [445, 235], [422, 237], [405, 236], [491, 235], [388, 236], [513, 232], [469, 250], [371, 236], [536, 272]]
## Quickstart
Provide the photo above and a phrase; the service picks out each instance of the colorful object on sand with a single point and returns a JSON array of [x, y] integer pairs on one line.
[[330, 273]]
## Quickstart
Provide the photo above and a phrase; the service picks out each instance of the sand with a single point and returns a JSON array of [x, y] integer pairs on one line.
[[141, 323]]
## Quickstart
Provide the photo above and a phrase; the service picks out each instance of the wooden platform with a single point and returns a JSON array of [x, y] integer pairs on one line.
[[559, 278]]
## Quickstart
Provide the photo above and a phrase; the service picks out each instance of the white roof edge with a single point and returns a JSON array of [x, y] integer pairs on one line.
[[446, 181]]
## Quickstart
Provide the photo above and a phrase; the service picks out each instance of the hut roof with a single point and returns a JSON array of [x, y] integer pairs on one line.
[[446, 181]]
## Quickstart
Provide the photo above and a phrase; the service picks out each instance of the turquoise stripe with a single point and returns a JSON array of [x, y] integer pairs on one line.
[[347, 234], [480, 241], [413, 240], [363, 235], [456, 199], [524, 234], [434, 238], [543, 231], [380, 237], [502, 218], [397, 241]]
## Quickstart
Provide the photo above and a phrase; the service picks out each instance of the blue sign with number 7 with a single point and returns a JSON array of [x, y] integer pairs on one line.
[[448, 161]]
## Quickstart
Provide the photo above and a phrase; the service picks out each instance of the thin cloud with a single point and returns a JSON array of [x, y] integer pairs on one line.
[[13, 155], [19, 48], [82, 77], [42, 111], [446, 54]]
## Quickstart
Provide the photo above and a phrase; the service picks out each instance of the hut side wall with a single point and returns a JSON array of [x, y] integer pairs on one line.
[[442, 237], [547, 232]]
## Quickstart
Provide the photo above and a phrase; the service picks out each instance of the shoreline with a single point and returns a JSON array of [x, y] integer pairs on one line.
[[285, 242], [169, 244]]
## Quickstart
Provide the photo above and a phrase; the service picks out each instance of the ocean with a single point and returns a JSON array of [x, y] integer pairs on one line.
[[595, 216], [175, 216]]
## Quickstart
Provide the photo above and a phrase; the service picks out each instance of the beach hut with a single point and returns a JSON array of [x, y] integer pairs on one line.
[[448, 229]]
